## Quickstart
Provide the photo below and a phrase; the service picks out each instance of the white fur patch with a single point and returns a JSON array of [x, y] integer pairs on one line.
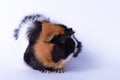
[[74, 41], [70, 57], [66, 61]]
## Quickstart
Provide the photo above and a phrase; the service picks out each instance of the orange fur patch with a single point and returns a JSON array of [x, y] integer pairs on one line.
[[42, 50], [49, 30]]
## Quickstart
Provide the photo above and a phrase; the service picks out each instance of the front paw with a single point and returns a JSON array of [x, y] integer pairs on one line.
[[59, 70], [46, 71]]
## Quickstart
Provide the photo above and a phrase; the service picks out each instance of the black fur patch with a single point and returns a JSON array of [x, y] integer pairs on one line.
[[33, 32], [64, 46]]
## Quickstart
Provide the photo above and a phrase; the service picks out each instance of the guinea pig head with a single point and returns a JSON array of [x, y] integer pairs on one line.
[[64, 45]]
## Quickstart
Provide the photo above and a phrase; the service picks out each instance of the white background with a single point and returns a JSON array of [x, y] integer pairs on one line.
[[97, 26]]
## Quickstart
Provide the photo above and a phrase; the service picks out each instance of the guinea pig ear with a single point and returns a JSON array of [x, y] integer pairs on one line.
[[49, 38], [69, 31]]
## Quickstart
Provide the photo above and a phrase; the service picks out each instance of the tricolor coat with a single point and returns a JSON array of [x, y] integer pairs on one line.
[[51, 45]]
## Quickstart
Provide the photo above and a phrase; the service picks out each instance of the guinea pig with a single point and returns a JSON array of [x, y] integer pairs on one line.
[[51, 45]]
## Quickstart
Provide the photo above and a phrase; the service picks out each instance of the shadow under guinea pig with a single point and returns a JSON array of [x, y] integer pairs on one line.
[[85, 61]]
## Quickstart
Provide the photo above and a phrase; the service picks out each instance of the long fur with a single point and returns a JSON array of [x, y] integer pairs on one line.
[[51, 45]]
